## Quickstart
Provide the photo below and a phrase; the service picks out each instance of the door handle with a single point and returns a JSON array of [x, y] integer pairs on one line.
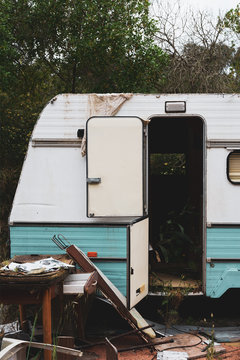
[[93, 180]]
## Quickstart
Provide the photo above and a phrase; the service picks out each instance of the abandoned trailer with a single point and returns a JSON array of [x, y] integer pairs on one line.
[[108, 177], [115, 172]]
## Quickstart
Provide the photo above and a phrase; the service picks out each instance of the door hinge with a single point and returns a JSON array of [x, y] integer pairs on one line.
[[132, 271]]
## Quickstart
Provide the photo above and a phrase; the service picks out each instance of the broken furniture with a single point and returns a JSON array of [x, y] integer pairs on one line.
[[107, 288], [23, 289], [112, 351], [84, 286], [80, 284]]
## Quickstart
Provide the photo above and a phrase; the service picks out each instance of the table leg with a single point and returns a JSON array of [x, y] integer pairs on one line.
[[47, 321], [22, 314]]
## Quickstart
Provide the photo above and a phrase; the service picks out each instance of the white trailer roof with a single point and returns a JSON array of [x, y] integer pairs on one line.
[[67, 113]]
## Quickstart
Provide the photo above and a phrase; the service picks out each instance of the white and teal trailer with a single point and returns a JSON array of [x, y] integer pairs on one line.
[[104, 202]]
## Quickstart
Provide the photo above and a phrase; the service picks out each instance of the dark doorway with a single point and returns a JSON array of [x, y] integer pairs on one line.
[[176, 193]]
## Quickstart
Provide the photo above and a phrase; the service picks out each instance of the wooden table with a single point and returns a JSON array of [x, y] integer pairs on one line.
[[23, 289]]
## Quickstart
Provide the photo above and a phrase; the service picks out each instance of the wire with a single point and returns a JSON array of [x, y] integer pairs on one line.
[[187, 332], [184, 346]]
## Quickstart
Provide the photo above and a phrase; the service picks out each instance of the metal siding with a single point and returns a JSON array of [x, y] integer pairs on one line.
[[116, 273], [61, 119], [220, 111], [223, 197], [64, 116], [51, 187], [107, 241], [222, 243]]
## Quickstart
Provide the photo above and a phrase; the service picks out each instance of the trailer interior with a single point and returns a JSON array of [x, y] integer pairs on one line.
[[176, 196]]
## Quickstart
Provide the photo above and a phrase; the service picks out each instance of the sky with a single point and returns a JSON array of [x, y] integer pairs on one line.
[[212, 5]]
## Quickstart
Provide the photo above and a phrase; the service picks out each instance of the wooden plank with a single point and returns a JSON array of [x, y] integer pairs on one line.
[[22, 315], [68, 342], [47, 321], [91, 283], [24, 295], [111, 351], [76, 287], [77, 277], [80, 283]]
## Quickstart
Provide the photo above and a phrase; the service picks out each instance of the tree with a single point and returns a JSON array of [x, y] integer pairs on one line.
[[54, 46], [232, 20], [199, 51], [90, 46]]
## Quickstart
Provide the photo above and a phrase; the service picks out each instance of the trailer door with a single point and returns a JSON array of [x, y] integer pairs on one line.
[[115, 167], [138, 262]]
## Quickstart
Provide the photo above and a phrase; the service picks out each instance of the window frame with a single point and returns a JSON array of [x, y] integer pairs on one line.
[[228, 167]]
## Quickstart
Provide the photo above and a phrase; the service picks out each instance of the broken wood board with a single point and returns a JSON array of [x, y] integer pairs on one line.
[[190, 344], [83, 283], [109, 290]]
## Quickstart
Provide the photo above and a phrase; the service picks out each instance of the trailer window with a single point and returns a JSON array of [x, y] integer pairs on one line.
[[234, 167]]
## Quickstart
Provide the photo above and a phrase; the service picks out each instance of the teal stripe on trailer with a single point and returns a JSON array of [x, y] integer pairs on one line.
[[222, 243], [116, 272], [107, 241]]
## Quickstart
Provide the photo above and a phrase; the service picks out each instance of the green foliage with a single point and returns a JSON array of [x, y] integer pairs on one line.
[[232, 19], [168, 164], [231, 22], [173, 242], [210, 349], [89, 46], [172, 297], [8, 183], [53, 46]]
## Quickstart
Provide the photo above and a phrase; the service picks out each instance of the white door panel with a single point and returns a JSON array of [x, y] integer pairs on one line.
[[115, 157], [138, 261]]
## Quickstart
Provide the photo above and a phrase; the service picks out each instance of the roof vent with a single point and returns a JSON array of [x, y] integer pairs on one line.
[[175, 106]]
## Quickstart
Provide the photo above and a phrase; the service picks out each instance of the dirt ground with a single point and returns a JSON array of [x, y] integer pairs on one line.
[[232, 351], [123, 343], [226, 313], [129, 355]]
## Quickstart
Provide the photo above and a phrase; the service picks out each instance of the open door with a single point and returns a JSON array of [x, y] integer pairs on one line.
[[115, 167], [138, 262]]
